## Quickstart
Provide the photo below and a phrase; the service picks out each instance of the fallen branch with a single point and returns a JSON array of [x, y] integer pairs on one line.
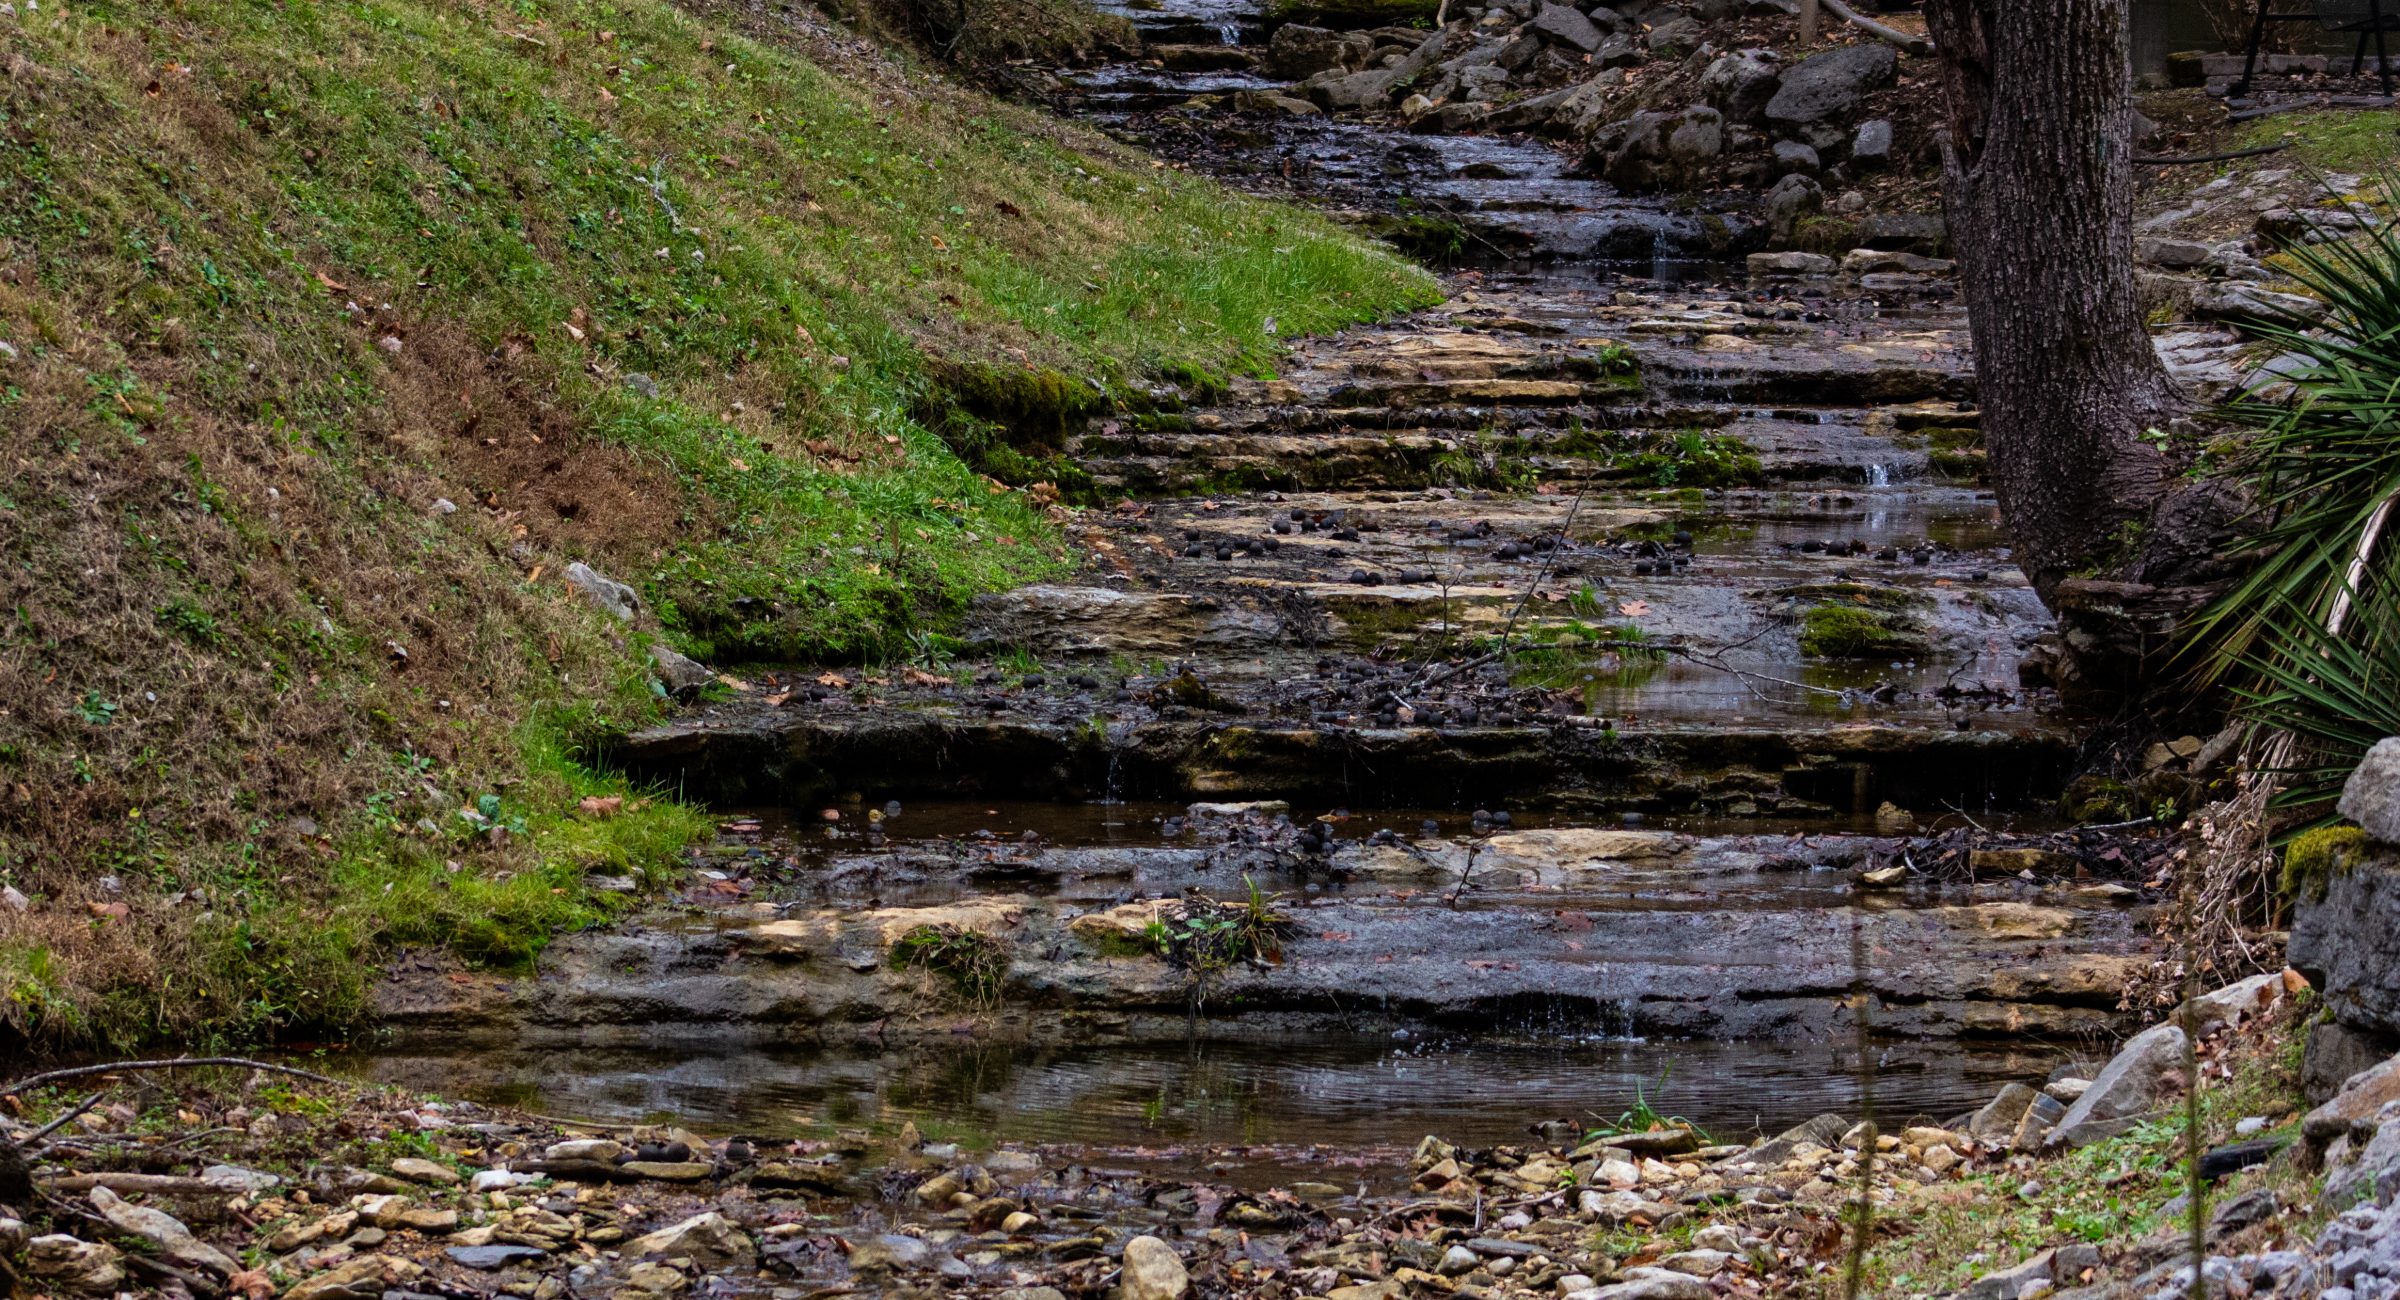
[[141, 1184], [2227, 156], [63, 1120], [179, 1063], [1549, 558], [1745, 674], [1907, 41]]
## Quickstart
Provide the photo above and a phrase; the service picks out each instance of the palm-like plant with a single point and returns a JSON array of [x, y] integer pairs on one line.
[[2324, 462], [2333, 693]]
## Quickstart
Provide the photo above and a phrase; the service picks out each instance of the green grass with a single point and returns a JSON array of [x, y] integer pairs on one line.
[[1693, 458], [974, 964], [746, 322], [2112, 1191], [2348, 141]]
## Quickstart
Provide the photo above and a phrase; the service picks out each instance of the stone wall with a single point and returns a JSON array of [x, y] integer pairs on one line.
[[2346, 930]]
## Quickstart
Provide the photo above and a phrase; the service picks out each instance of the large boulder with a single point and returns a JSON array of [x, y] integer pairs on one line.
[[1297, 52], [1675, 36], [1650, 149], [1696, 137], [1564, 26], [164, 1232], [2371, 797], [1794, 197], [2346, 922], [2354, 1112], [1350, 92], [1153, 1271], [1585, 111], [606, 592], [2134, 1082], [1828, 87], [709, 1239], [1740, 84], [2336, 1053]]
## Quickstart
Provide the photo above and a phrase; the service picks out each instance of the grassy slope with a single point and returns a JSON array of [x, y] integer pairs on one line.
[[624, 283]]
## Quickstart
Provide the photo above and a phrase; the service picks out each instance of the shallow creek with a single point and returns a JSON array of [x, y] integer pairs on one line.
[[1674, 914]]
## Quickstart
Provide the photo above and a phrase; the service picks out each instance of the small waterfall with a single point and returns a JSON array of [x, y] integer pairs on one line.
[[1229, 34], [1112, 790], [1878, 476]]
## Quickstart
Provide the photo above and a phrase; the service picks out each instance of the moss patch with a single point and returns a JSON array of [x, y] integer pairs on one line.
[[1858, 632], [2097, 799], [2313, 859]]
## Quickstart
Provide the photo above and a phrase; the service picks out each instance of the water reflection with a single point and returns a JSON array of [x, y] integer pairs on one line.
[[1359, 1093]]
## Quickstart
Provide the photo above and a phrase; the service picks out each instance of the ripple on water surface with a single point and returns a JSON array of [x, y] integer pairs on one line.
[[1128, 1101]]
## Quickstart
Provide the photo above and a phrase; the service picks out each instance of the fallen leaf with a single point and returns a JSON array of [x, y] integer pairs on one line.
[[919, 677], [1634, 608], [776, 700], [835, 680], [602, 805], [1335, 936]]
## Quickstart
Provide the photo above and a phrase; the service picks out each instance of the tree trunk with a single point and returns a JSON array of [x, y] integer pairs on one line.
[[2039, 195]]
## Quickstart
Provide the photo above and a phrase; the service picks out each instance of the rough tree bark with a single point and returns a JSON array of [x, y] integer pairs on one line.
[[2039, 197]]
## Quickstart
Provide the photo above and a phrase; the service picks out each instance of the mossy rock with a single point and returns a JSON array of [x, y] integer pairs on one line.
[[2097, 799], [1830, 236], [2313, 859], [1859, 632], [1368, 624], [1435, 241], [1858, 594], [1353, 15], [1963, 465], [1034, 406]]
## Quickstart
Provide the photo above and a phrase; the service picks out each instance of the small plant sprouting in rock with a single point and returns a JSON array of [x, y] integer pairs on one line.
[[1642, 1117], [1209, 936], [975, 964]]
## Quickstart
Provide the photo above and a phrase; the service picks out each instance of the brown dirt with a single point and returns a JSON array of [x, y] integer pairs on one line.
[[517, 452]]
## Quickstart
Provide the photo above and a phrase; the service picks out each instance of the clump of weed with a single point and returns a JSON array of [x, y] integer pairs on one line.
[[975, 963], [1210, 936]]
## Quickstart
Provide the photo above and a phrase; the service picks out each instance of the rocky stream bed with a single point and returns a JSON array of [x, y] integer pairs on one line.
[[1598, 690], [1603, 698]]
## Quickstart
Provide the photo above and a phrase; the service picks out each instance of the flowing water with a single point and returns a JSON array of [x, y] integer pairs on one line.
[[1672, 914]]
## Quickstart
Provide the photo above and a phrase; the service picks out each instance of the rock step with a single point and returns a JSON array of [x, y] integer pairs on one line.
[[1363, 964], [1260, 458], [799, 755]]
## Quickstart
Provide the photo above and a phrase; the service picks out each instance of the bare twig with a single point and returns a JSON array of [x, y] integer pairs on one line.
[[2228, 156], [63, 1120], [1962, 813], [46, 1078], [1890, 35], [1707, 660], [1549, 558]]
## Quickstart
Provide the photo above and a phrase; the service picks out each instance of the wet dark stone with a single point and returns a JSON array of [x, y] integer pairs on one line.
[[489, 1258]]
